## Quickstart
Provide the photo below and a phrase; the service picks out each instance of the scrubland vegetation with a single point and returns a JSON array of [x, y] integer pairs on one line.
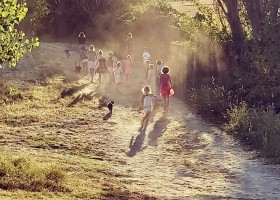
[[227, 65]]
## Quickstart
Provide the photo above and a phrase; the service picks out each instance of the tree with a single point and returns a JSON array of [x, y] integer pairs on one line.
[[13, 44]]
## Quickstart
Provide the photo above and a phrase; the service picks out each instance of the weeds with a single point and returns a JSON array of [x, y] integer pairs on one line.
[[25, 174], [259, 127], [211, 101]]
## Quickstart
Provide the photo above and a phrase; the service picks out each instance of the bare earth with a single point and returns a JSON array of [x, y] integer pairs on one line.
[[177, 157]]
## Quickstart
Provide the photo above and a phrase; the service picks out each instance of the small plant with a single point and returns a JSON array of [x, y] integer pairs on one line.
[[238, 119]]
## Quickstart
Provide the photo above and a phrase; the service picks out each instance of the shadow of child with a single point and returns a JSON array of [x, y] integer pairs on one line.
[[136, 145]]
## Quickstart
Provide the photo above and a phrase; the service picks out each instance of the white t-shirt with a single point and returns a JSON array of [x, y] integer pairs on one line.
[[117, 73], [146, 56], [148, 99]]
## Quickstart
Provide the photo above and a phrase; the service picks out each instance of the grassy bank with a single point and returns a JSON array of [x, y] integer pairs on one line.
[[50, 148]]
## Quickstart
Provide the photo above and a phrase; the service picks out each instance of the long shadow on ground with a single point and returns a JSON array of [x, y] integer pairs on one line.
[[136, 145], [158, 130]]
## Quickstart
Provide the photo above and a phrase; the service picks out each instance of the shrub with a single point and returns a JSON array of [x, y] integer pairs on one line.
[[259, 127], [211, 101], [23, 173], [238, 119]]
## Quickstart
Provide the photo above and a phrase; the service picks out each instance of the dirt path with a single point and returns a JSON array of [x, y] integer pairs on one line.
[[211, 164], [178, 156]]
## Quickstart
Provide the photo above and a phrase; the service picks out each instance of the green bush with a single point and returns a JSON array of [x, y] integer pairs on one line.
[[238, 119], [23, 173], [260, 127], [211, 101]]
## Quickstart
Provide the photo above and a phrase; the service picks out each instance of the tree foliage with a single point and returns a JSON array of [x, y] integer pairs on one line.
[[13, 42]]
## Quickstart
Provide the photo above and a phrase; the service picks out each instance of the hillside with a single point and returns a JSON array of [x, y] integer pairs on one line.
[[178, 156]]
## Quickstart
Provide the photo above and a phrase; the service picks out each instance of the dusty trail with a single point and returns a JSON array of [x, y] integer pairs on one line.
[[178, 156], [211, 165]]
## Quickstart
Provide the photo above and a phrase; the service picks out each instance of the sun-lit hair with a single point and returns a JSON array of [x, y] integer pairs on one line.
[[159, 62], [147, 61], [100, 52], [119, 64], [91, 47], [82, 34], [129, 35], [128, 57], [111, 53], [146, 89], [165, 70]]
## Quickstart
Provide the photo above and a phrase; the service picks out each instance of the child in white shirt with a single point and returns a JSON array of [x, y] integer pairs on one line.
[[118, 75], [146, 104], [146, 55]]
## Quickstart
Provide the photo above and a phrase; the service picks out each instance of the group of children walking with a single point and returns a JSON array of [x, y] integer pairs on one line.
[[157, 76], [158, 79]]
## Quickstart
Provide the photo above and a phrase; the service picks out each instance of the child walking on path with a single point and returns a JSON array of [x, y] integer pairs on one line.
[[101, 67], [111, 62], [150, 76], [118, 75], [91, 61], [128, 66], [146, 104], [159, 66], [146, 55], [166, 87]]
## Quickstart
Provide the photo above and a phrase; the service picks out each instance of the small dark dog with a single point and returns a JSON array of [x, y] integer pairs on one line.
[[77, 68], [110, 106], [68, 53]]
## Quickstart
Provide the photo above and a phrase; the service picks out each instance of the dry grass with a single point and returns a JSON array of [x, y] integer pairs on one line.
[[187, 7], [42, 125]]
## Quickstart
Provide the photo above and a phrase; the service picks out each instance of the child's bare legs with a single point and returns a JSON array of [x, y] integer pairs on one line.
[[146, 118], [99, 78], [167, 103]]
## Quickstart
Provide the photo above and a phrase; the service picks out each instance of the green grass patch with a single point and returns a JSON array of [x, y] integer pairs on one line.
[[25, 174]]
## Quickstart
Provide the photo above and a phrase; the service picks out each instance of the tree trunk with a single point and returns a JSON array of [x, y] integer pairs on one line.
[[255, 11], [232, 14]]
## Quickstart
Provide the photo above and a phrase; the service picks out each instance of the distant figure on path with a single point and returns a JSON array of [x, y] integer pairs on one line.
[[150, 76], [82, 41], [129, 45], [112, 63], [146, 55], [101, 67], [159, 66], [92, 55], [118, 75], [128, 65]]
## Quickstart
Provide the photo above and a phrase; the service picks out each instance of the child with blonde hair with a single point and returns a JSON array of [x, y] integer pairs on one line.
[[92, 55], [128, 65], [118, 75], [146, 104]]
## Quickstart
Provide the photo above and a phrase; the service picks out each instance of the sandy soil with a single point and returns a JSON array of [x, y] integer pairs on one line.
[[178, 156]]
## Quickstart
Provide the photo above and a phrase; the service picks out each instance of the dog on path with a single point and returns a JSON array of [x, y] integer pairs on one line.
[[68, 53]]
